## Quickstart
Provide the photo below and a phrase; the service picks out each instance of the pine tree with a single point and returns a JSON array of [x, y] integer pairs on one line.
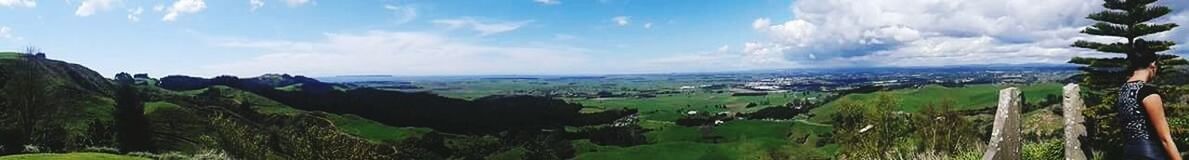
[[132, 128], [1129, 21]]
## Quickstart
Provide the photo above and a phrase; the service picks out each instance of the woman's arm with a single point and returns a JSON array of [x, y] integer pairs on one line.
[[1155, 107]]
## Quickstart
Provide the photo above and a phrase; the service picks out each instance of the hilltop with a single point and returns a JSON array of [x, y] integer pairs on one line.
[[273, 116]]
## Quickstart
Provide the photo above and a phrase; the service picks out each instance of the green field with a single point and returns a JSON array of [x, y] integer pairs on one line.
[[10, 55], [70, 156], [373, 130], [741, 139], [669, 107], [968, 97], [151, 107]]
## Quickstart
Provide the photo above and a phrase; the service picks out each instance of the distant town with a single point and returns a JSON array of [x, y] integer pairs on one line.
[[736, 83]]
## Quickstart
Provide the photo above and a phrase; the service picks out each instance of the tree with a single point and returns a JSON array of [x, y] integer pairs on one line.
[[131, 125], [1129, 21], [30, 105], [32, 50]]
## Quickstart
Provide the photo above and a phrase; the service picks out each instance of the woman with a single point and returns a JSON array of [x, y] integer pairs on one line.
[[1141, 111]]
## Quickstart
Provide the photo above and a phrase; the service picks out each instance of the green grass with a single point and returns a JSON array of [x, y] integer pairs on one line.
[[150, 107], [669, 107], [742, 139], [70, 156], [10, 55], [375, 131], [262, 104], [968, 97]]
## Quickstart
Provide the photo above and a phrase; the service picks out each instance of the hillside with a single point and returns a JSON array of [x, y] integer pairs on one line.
[[54, 106], [966, 98], [51, 102], [491, 114]]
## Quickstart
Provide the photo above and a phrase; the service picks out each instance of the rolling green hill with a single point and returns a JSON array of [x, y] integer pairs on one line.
[[740, 139], [70, 156], [968, 97]]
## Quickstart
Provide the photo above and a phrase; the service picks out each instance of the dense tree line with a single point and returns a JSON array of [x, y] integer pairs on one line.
[[481, 116]]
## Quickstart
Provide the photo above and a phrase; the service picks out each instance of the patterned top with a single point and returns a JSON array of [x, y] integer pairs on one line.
[[1132, 115]]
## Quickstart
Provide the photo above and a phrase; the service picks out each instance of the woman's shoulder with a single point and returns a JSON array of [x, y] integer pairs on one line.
[[1147, 90]]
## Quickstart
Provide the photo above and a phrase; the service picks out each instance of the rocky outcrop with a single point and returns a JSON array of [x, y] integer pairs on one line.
[[1005, 135], [1075, 131]]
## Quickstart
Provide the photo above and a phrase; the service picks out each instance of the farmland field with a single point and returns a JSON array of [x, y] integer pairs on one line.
[[968, 97]]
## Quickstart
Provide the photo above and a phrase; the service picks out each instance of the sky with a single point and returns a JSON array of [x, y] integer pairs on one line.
[[547, 37]]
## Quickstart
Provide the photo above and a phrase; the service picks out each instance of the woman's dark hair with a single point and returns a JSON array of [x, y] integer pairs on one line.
[[1141, 55]]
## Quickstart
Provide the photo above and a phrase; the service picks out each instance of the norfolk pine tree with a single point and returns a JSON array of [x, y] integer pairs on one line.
[[1129, 21]]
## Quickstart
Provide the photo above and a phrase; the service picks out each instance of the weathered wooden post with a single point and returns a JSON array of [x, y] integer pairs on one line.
[[1074, 130], [1005, 134]]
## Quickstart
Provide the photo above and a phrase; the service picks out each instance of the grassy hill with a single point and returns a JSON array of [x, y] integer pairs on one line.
[[669, 107], [968, 97], [70, 156], [9, 55], [741, 139]]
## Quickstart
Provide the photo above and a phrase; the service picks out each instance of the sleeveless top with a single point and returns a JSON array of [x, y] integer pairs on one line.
[[1132, 116]]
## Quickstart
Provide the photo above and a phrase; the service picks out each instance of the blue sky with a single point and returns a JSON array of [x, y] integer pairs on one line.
[[466, 37]]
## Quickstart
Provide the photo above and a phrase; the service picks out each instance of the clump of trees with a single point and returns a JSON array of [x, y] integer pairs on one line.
[[878, 130], [132, 127], [1128, 21], [942, 129], [873, 130]]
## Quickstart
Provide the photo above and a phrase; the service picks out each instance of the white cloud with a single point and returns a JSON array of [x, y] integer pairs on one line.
[[183, 7], [761, 24], [621, 20], [402, 53], [925, 32], [159, 7], [721, 59], [548, 2], [255, 4], [6, 33], [89, 7], [19, 3], [295, 3], [484, 28], [134, 14], [403, 13], [648, 25]]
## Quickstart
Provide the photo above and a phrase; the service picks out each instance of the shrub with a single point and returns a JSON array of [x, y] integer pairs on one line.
[[1044, 150]]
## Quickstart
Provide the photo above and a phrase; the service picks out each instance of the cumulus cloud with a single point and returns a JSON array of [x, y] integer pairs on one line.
[[19, 3], [723, 58], [183, 7], [761, 24], [255, 4], [621, 20], [484, 28], [403, 14], [925, 32], [89, 7], [648, 25], [134, 14], [548, 2], [6, 33], [404, 53]]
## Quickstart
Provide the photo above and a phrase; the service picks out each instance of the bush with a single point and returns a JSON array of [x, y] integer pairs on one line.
[[887, 137], [1044, 150]]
